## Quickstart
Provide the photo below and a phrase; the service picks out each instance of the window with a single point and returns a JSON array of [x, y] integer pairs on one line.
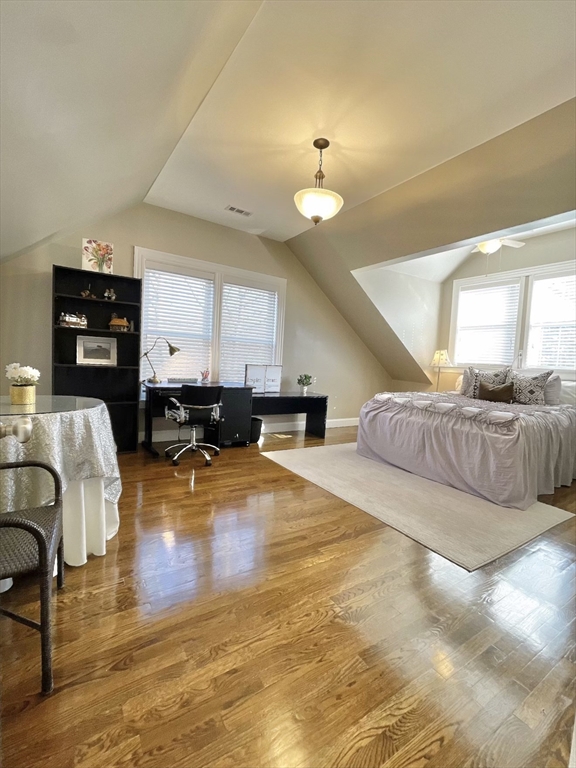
[[248, 329], [525, 318], [220, 318], [179, 308], [486, 324], [552, 323]]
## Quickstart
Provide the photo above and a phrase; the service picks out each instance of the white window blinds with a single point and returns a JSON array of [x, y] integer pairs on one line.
[[552, 323], [179, 307], [486, 324], [248, 329]]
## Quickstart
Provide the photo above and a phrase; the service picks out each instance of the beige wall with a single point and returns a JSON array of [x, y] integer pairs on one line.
[[410, 305], [546, 249], [317, 340]]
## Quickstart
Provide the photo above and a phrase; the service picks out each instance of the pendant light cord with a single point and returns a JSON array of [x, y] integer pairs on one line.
[[319, 175]]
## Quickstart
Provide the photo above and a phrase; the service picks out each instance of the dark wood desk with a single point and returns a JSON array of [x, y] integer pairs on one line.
[[238, 406], [313, 404], [236, 412]]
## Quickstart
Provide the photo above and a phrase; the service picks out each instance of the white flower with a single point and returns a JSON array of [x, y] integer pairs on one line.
[[22, 374]]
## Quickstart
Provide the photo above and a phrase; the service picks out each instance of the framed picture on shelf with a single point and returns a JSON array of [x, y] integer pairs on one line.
[[97, 256], [95, 350]]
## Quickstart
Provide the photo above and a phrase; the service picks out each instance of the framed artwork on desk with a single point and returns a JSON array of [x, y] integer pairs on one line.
[[263, 378]]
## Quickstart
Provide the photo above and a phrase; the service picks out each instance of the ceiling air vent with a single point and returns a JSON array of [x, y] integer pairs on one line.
[[239, 211]]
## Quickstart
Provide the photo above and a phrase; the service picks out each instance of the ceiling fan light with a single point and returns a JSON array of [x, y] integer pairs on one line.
[[489, 246], [318, 204]]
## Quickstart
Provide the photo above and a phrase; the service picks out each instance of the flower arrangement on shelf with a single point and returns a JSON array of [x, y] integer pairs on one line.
[[304, 381], [23, 380], [97, 255]]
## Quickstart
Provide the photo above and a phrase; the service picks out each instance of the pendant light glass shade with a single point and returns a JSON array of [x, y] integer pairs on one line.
[[318, 204], [490, 246]]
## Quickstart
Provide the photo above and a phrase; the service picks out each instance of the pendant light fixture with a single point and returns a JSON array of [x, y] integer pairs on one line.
[[317, 203]]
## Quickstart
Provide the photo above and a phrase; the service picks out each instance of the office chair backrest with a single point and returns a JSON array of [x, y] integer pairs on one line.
[[200, 395]]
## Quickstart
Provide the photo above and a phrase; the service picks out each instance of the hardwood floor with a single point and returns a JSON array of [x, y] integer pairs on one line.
[[244, 617]]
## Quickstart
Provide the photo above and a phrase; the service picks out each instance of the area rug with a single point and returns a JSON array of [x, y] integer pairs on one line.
[[467, 530]]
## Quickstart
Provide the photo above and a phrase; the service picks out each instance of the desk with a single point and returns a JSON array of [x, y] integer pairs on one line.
[[235, 413], [72, 434], [314, 405], [238, 406]]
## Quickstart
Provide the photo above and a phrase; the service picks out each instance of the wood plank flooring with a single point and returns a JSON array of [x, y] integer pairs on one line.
[[245, 618]]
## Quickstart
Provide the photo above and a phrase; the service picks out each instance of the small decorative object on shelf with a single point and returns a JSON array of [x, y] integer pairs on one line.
[[119, 324], [205, 376], [73, 320], [86, 294], [97, 256], [23, 380], [109, 294], [304, 381]]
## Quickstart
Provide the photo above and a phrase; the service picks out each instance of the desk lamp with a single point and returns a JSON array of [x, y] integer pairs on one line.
[[171, 349]]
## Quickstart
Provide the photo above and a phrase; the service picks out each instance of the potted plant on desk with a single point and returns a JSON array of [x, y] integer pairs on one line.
[[304, 381], [23, 380]]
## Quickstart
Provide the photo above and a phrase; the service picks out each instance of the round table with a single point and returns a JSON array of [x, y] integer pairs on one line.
[[74, 435]]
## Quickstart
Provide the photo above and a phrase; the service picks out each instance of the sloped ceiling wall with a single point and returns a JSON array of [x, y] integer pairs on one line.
[[523, 175], [94, 98]]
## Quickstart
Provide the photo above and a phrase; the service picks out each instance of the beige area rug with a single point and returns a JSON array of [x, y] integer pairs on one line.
[[463, 528]]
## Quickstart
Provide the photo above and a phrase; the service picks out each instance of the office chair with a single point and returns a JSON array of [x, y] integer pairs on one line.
[[199, 407]]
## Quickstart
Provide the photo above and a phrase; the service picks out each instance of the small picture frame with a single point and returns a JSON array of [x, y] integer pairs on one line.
[[97, 256], [96, 350], [255, 376]]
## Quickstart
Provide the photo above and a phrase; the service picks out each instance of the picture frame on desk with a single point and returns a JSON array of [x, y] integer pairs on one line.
[[263, 378]]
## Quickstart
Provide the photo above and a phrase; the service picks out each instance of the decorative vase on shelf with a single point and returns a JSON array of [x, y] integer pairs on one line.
[[303, 390], [22, 394]]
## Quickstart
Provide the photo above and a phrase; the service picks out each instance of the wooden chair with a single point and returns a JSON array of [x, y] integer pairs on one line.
[[30, 542]]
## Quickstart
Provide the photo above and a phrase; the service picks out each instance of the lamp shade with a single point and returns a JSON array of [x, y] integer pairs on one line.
[[440, 359], [490, 246], [318, 204]]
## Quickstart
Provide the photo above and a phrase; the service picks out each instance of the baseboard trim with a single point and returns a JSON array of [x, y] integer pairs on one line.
[[167, 435]]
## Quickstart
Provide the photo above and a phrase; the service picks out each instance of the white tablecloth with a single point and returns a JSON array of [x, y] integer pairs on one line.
[[80, 445]]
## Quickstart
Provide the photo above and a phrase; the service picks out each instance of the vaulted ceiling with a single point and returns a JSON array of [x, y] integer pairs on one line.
[[195, 105]]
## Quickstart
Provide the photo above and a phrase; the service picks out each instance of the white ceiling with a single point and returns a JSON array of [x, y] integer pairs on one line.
[[94, 97], [436, 267], [397, 86], [204, 104]]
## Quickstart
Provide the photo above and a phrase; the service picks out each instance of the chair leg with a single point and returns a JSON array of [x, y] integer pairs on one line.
[[60, 557], [46, 629], [206, 456], [207, 445]]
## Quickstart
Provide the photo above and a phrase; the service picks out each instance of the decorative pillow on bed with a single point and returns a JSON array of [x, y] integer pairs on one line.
[[529, 390], [499, 393], [471, 382], [553, 390]]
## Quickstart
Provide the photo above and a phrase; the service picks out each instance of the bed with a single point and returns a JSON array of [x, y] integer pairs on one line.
[[507, 454]]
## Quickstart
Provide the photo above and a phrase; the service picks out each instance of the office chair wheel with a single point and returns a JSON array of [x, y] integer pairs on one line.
[[217, 452], [175, 462], [167, 454], [208, 464]]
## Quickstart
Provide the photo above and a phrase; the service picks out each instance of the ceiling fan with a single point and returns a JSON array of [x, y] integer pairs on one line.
[[491, 246]]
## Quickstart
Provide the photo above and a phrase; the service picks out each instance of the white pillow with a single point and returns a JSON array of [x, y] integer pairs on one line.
[[552, 390], [458, 385], [568, 393]]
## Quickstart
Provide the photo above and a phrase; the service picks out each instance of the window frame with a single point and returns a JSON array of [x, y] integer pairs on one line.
[[525, 278], [146, 258]]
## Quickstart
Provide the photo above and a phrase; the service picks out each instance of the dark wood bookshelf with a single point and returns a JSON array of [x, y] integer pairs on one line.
[[119, 385]]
